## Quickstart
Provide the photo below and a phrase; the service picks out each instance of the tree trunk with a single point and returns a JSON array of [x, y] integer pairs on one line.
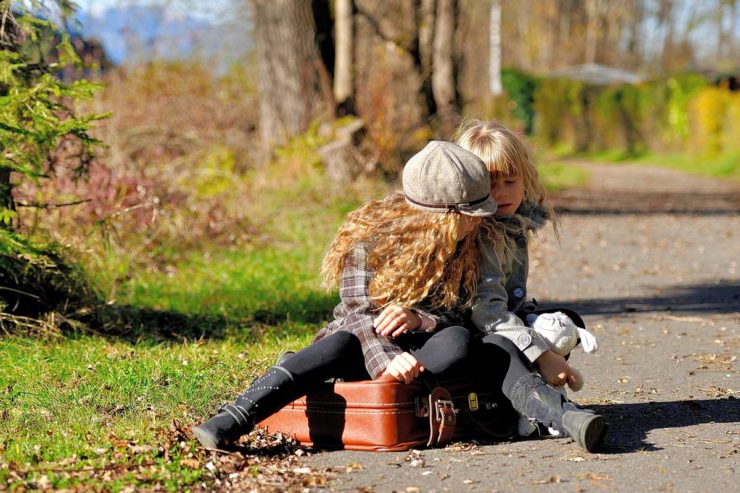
[[343, 91], [443, 72], [425, 20], [494, 60], [289, 68], [592, 30], [665, 19], [732, 5]]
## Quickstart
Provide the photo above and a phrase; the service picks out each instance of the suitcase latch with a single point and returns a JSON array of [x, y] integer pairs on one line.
[[422, 407], [473, 401]]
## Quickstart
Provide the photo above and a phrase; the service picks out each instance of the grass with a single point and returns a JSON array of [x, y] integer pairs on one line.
[[75, 407], [561, 176], [722, 166], [725, 165], [111, 411]]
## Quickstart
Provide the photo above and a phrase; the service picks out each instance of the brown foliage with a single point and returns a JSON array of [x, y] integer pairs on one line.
[[178, 142]]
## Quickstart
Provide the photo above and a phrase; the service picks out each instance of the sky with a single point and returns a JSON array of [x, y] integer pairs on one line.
[[221, 34], [205, 10]]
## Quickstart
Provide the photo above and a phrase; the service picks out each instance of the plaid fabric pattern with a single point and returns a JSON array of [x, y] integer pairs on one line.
[[356, 311]]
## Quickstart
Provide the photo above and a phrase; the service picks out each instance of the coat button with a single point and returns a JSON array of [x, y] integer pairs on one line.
[[523, 341], [518, 293]]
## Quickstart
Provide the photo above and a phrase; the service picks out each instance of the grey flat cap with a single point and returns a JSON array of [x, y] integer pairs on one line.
[[445, 177]]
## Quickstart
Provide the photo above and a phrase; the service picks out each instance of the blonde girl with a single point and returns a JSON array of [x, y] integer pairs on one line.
[[406, 266], [501, 305]]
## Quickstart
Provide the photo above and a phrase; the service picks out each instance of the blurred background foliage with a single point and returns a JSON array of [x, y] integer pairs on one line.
[[232, 127]]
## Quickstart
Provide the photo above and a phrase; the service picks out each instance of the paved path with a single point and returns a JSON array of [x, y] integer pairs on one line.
[[650, 258]]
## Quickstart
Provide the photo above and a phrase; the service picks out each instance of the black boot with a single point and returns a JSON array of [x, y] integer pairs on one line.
[[266, 395], [535, 399]]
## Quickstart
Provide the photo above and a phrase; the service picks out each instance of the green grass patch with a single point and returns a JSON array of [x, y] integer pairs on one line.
[[722, 166], [562, 176], [268, 285], [78, 408]]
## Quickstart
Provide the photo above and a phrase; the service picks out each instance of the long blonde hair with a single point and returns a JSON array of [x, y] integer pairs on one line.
[[505, 155], [414, 255]]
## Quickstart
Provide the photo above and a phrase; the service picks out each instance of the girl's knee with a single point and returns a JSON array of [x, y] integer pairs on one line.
[[456, 341], [341, 340], [502, 342]]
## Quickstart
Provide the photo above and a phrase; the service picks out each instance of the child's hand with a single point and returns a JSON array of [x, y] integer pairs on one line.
[[394, 320], [404, 368], [554, 369]]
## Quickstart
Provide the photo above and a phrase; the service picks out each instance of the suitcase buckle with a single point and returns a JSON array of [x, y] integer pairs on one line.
[[441, 404]]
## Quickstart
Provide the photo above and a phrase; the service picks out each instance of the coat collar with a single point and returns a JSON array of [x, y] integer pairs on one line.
[[528, 217]]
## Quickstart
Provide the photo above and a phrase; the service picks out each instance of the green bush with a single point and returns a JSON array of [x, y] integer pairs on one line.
[[520, 88], [712, 117], [680, 90], [630, 119], [558, 104]]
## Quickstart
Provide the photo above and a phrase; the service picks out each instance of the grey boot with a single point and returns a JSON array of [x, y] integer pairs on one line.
[[266, 395], [535, 399]]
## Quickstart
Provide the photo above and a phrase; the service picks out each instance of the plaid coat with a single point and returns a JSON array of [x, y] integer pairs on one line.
[[356, 311]]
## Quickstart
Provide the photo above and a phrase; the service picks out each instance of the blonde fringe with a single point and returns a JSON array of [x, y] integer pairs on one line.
[[413, 254], [506, 155]]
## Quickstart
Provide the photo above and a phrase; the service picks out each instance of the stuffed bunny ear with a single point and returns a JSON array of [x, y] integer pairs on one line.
[[588, 341]]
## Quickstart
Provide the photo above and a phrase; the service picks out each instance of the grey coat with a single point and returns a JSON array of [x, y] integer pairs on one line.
[[502, 288]]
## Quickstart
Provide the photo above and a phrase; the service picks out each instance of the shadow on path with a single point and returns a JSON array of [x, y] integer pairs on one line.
[[697, 298], [590, 202], [629, 424]]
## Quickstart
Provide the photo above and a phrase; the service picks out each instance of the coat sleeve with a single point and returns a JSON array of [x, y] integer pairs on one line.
[[490, 312], [438, 319], [377, 350]]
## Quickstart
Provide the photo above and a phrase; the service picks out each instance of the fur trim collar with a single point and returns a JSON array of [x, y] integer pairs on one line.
[[533, 216], [528, 217]]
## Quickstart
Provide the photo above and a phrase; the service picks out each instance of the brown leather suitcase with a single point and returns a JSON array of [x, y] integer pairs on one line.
[[386, 415]]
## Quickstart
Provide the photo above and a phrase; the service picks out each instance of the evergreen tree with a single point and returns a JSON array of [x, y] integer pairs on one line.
[[37, 112], [37, 116]]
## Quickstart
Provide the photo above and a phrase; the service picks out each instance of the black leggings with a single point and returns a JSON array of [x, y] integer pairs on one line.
[[339, 355], [450, 352]]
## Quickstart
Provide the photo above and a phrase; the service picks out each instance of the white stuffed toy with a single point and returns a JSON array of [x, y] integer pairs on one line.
[[563, 336]]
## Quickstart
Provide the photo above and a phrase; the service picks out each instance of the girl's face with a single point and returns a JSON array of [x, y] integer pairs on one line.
[[508, 191], [467, 224]]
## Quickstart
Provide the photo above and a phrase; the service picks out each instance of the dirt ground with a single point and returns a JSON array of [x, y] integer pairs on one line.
[[650, 258]]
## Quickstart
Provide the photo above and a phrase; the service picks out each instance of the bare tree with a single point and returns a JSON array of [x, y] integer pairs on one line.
[[494, 59], [425, 19], [343, 91], [443, 71], [595, 10], [289, 67]]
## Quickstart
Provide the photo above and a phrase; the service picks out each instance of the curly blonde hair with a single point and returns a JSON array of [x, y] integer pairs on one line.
[[414, 255]]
